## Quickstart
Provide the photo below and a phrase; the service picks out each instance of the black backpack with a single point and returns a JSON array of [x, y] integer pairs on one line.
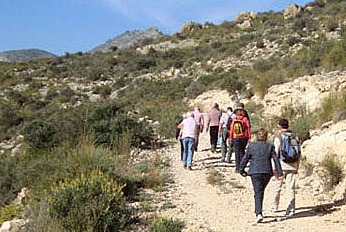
[[229, 122]]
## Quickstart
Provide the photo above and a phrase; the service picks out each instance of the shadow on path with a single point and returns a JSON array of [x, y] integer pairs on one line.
[[309, 211]]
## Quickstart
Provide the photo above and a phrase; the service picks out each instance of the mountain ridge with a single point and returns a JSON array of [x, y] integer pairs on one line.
[[128, 38], [24, 55]]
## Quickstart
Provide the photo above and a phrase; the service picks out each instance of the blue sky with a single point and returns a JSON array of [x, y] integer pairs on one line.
[[61, 26]]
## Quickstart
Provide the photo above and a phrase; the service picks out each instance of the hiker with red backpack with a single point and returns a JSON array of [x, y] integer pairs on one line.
[[287, 147], [242, 106], [213, 125], [224, 129], [240, 135]]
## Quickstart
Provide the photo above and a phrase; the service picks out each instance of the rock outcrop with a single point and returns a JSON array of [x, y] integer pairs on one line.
[[292, 11], [167, 45], [306, 91], [244, 19], [190, 27], [330, 139], [13, 226], [207, 100]]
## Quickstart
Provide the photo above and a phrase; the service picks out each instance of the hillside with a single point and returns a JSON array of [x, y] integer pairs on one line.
[[129, 38], [24, 55], [109, 117]]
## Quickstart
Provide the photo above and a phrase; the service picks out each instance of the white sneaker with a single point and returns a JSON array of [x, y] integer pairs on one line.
[[289, 214], [259, 218]]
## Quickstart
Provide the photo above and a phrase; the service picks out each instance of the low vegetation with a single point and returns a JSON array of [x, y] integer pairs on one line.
[[68, 138], [166, 225], [332, 171]]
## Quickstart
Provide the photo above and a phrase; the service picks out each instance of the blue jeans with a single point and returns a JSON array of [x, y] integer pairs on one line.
[[239, 149], [189, 144], [259, 183]]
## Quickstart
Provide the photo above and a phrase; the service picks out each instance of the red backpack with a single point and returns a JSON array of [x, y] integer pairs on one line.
[[239, 129]]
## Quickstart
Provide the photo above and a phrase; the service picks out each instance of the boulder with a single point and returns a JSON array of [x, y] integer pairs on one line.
[[13, 226], [246, 24], [245, 16], [292, 11], [191, 27], [95, 98]]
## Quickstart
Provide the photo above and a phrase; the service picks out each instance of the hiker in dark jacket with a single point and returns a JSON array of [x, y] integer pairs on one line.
[[260, 155]]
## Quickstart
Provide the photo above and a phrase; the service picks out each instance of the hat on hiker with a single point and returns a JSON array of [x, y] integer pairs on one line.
[[188, 114], [240, 106]]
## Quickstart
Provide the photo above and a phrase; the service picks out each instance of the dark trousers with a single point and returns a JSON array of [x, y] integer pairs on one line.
[[259, 183], [181, 149], [239, 149], [214, 131]]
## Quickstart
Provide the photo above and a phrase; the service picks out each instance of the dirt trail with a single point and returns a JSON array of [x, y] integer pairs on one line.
[[230, 205]]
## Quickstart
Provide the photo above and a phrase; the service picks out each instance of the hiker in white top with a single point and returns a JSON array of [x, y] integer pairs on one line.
[[224, 128], [289, 168]]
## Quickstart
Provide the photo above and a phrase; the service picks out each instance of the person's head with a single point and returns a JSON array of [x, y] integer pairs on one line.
[[262, 134], [229, 109], [240, 112], [189, 114], [216, 106], [240, 105], [284, 124]]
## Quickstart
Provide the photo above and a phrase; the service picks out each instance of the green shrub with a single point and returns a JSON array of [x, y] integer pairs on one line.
[[8, 180], [166, 225], [195, 88], [109, 123], [332, 25], [332, 108], [302, 127], [92, 202], [66, 95], [11, 211], [230, 81], [103, 90], [332, 170], [335, 57], [292, 40], [39, 134]]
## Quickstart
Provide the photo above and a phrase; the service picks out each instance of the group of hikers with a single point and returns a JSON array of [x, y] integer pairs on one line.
[[233, 131]]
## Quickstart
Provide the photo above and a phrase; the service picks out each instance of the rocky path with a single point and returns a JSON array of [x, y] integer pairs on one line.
[[228, 205]]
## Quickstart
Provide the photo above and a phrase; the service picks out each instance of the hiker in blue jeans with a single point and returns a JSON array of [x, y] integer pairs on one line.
[[260, 155], [189, 129]]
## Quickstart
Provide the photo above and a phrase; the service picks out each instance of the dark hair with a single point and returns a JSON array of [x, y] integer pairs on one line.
[[229, 108], [262, 134], [241, 105], [284, 123]]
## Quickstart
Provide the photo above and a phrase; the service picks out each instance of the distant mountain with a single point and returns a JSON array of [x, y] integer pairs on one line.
[[128, 39], [24, 55]]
